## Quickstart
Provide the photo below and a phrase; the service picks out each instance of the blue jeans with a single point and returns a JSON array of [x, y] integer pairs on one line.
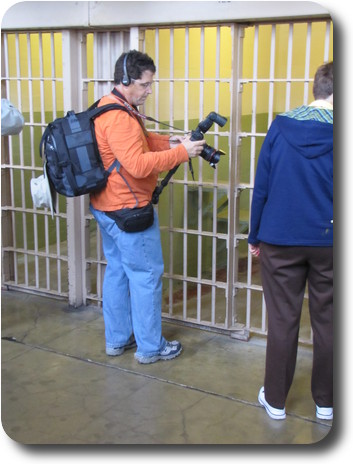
[[132, 287]]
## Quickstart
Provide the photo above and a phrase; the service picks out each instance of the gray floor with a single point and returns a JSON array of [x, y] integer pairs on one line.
[[59, 387]]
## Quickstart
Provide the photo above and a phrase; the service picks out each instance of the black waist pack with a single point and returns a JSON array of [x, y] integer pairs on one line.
[[133, 219]]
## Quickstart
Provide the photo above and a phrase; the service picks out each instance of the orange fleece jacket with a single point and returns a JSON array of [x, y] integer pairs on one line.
[[142, 155]]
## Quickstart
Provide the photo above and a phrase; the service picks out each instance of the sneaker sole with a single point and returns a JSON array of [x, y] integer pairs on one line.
[[322, 417], [273, 416], [156, 358], [119, 351]]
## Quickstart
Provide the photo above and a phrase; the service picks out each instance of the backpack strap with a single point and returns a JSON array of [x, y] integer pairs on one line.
[[95, 110], [115, 164]]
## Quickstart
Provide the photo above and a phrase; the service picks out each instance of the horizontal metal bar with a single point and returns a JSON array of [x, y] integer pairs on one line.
[[31, 78], [283, 79], [197, 184], [168, 80], [195, 280], [194, 232], [43, 254], [21, 168], [243, 135], [241, 236], [41, 212], [242, 286]]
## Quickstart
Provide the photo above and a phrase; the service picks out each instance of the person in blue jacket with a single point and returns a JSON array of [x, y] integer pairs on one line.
[[291, 230]]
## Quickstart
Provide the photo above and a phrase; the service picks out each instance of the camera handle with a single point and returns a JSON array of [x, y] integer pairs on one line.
[[159, 189]]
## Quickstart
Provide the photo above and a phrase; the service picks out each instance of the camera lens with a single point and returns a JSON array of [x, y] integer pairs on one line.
[[211, 155]]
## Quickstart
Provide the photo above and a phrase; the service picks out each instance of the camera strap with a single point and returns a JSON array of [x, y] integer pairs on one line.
[[134, 111]]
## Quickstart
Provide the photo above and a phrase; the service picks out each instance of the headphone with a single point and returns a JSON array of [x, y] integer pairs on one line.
[[126, 79]]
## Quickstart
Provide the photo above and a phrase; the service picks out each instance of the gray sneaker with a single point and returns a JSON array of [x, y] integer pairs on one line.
[[118, 351], [170, 351]]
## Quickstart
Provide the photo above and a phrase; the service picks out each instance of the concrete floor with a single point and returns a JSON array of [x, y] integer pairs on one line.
[[59, 387]]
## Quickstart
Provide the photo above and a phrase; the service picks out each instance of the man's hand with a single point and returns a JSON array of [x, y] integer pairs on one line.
[[193, 148], [175, 141]]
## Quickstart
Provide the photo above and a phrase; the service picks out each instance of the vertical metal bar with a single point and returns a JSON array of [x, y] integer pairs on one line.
[[202, 94], [307, 65], [22, 177], [5, 65], [100, 273], [171, 187], [7, 217], [134, 42], [53, 75], [215, 180], [41, 83], [272, 75], [186, 82], [252, 159], [185, 188], [289, 66], [72, 98], [14, 238], [217, 74], [58, 261], [47, 251], [200, 178], [31, 121], [108, 54], [84, 201], [253, 104], [46, 227], [263, 312], [171, 74], [233, 200], [253, 144], [95, 64], [327, 41], [30, 95], [57, 219], [156, 84], [35, 216]]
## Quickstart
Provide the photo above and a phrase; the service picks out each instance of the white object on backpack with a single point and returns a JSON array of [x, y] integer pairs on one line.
[[42, 194], [12, 120]]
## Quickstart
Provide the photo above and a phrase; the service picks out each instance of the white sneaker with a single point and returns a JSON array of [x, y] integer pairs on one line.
[[274, 413], [324, 413]]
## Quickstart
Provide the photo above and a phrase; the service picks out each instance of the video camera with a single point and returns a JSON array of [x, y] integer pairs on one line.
[[209, 154]]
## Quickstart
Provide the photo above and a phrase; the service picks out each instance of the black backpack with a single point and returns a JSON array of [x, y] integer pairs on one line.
[[69, 148]]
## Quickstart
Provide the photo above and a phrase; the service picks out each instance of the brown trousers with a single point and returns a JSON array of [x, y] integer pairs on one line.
[[284, 273]]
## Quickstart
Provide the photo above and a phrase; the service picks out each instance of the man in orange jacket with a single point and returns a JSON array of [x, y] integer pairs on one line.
[[132, 288]]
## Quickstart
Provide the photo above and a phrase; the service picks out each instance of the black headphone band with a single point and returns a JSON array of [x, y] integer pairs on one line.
[[126, 79]]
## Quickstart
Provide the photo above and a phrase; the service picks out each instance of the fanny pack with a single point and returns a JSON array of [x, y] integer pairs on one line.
[[133, 219]]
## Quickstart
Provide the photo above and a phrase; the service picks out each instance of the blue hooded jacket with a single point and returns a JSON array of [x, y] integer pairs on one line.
[[292, 202]]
